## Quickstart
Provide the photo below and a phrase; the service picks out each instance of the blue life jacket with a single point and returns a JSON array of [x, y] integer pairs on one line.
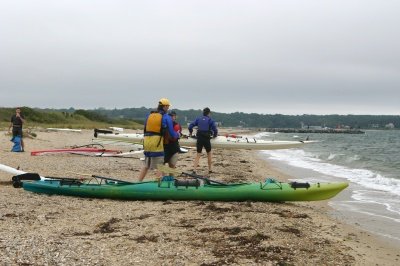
[[17, 144], [204, 124]]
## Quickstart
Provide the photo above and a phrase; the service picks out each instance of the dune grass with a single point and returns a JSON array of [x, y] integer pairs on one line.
[[79, 119]]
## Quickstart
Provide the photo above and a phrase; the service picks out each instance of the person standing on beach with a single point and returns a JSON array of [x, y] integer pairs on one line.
[[171, 145], [17, 120], [206, 129], [156, 124]]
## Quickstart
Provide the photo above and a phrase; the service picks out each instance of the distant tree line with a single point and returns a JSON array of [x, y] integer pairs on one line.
[[236, 119], [265, 120]]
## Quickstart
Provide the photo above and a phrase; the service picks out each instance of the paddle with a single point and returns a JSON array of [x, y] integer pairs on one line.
[[167, 169], [94, 176]]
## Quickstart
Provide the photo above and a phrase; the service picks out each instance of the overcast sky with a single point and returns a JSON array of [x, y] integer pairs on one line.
[[266, 56]]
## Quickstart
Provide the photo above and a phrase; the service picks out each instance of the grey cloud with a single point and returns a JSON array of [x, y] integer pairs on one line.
[[251, 56]]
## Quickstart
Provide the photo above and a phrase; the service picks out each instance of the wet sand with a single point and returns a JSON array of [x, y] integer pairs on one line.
[[57, 230]]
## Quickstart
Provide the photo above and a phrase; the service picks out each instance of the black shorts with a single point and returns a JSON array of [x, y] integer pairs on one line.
[[169, 150], [17, 131], [203, 141]]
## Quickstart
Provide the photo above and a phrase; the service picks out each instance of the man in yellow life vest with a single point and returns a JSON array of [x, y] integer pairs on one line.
[[156, 125]]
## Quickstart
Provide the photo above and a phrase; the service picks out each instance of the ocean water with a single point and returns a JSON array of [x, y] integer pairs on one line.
[[370, 162]]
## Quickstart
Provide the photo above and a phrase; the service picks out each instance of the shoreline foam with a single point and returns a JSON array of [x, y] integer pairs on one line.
[[368, 213]]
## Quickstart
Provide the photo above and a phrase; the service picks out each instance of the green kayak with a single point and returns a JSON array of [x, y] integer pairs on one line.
[[200, 188]]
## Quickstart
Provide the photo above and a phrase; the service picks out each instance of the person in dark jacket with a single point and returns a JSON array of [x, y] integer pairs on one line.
[[171, 145], [17, 121], [206, 129]]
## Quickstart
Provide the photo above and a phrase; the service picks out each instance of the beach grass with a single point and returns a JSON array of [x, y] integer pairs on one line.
[[79, 119]]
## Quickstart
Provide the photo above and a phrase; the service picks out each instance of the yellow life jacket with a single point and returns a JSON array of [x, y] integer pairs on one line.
[[153, 134], [154, 123]]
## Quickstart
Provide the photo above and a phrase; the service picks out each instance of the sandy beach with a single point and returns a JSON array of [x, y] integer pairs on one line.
[[57, 230]]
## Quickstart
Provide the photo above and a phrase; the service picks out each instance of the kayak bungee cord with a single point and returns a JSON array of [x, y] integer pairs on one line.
[[174, 171]]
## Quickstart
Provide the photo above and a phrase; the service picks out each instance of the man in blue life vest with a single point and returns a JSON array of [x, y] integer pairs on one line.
[[156, 124], [17, 121], [206, 129]]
